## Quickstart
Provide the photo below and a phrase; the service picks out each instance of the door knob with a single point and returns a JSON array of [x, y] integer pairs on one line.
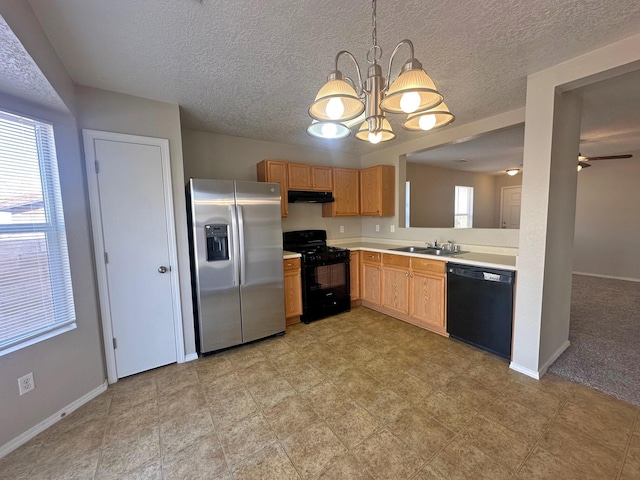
[[163, 269]]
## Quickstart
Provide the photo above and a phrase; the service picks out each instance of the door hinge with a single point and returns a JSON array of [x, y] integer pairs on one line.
[[106, 257], [115, 343], [97, 165]]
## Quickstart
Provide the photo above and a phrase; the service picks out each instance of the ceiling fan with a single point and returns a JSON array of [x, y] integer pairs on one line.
[[583, 162]]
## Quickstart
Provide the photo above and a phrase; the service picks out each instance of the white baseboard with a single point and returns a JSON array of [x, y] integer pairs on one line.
[[543, 369], [525, 371], [613, 277], [40, 427], [191, 357], [545, 366]]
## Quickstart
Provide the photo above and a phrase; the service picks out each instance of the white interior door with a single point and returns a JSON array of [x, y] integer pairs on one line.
[[134, 224], [510, 207]]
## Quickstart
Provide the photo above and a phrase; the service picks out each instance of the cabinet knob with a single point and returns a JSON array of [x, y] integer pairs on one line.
[[406, 275]]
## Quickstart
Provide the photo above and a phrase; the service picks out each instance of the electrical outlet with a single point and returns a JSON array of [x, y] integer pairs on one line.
[[26, 383], [341, 228], [392, 228], [377, 228]]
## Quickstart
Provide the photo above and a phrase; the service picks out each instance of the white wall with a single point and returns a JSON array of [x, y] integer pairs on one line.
[[433, 196], [607, 232], [70, 365], [115, 112], [548, 201], [210, 155]]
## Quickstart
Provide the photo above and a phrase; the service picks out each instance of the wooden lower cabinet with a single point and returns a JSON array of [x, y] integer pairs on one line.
[[395, 283], [408, 288], [427, 299], [370, 278], [292, 290], [354, 277]]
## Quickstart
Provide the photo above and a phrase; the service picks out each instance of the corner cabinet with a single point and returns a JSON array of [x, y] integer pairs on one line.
[[346, 189], [309, 177], [292, 290], [377, 191], [275, 171]]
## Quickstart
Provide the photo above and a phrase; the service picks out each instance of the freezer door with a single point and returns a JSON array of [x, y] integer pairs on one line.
[[216, 283], [261, 274]]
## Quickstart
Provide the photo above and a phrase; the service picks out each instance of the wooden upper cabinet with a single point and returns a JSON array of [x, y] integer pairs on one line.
[[322, 179], [346, 188], [309, 177], [276, 171], [377, 191]]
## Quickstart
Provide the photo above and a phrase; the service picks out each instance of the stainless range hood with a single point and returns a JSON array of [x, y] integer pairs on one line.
[[310, 197]]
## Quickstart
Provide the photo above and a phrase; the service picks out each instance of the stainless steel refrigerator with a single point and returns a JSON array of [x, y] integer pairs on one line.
[[235, 246]]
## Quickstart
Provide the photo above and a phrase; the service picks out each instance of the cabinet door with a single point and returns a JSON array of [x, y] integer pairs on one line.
[[395, 289], [346, 188], [370, 191], [370, 290], [276, 171], [354, 273], [321, 179], [292, 288], [427, 305], [299, 176], [377, 191]]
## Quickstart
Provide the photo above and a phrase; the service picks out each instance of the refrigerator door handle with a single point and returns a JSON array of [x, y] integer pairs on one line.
[[243, 271], [234, 242]]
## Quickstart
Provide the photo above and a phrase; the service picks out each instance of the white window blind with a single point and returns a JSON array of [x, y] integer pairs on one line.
[[35, 283]]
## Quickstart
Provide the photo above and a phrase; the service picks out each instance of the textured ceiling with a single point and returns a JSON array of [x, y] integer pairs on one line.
[[251, 68], [19, 74]]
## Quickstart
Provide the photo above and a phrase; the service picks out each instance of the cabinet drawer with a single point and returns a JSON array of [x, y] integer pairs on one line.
[[433, 266], [291, 264], [397, 260], [370, 257]]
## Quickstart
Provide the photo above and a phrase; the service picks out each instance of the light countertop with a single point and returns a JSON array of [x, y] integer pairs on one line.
[[481, 259], [288, 255]]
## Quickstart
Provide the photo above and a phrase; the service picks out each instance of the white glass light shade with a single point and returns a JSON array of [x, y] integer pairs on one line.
[[328, 130], [442, 117], [386, 132], [513, 171], [411, 81], [327, 103]]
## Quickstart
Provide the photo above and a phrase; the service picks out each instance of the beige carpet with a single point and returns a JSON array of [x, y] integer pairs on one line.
[[604, 335]]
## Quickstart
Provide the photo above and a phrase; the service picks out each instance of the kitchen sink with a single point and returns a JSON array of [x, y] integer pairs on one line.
[[410, 249]]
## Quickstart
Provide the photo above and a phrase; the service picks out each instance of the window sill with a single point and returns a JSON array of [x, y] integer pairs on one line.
[[38, 338]]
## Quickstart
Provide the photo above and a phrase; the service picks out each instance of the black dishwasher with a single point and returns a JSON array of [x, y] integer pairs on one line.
[[480, 307]]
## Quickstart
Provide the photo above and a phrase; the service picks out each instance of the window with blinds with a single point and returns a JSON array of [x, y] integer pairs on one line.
[[36, 300]]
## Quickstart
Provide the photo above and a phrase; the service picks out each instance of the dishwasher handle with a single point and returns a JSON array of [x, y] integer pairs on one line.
[[480, 275]]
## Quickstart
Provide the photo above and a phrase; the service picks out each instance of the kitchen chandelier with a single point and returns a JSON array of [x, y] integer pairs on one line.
[[413, 92]]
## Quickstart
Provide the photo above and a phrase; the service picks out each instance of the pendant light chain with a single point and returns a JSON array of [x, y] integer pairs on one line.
[[375, 52]]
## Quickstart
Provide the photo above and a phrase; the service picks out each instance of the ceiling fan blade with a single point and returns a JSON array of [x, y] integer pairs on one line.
[[582, 165], [610, 157]]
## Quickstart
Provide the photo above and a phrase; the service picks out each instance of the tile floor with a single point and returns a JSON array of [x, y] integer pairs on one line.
[[356, 396]]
